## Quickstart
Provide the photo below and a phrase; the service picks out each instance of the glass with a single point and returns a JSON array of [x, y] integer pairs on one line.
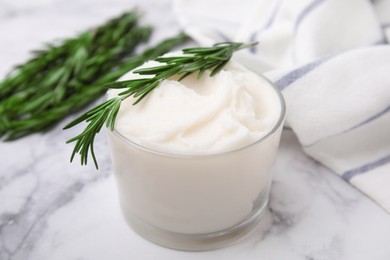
[[194, 202]]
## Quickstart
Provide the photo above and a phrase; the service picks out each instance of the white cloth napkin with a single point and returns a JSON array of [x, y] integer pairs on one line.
[[331, 59]]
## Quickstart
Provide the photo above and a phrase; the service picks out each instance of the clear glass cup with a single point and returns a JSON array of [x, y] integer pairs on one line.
[[194, 202]]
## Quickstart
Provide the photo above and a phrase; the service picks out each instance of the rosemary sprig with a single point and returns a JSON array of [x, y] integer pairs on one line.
[[58, 73], [194, 60], [87, 94]]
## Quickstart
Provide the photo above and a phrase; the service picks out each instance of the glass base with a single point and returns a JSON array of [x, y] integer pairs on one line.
[[198, 242]]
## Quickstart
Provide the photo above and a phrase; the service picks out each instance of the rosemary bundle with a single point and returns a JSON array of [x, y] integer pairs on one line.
[[194, 60], [62, 79]]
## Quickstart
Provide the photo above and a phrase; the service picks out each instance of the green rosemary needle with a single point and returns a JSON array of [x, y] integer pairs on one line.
[[194, 60]]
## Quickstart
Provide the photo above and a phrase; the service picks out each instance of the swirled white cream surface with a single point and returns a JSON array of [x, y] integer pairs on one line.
[[201, 116], [208, 116]]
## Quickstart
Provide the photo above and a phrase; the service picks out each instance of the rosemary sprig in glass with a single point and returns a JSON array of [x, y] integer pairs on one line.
[[194, 60]]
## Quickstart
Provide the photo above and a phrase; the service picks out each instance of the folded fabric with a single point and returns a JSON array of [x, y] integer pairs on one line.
[[331, 59]]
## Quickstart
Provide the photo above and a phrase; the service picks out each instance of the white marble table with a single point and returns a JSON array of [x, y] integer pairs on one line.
[[50, 209]]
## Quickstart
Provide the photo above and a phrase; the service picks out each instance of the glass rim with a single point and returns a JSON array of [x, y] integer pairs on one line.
[[278, 123]]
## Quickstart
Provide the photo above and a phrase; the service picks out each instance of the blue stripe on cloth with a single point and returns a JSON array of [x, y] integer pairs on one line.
[[296, 74], [270, 21], [368, 120], [348, 175], [306, 11]]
